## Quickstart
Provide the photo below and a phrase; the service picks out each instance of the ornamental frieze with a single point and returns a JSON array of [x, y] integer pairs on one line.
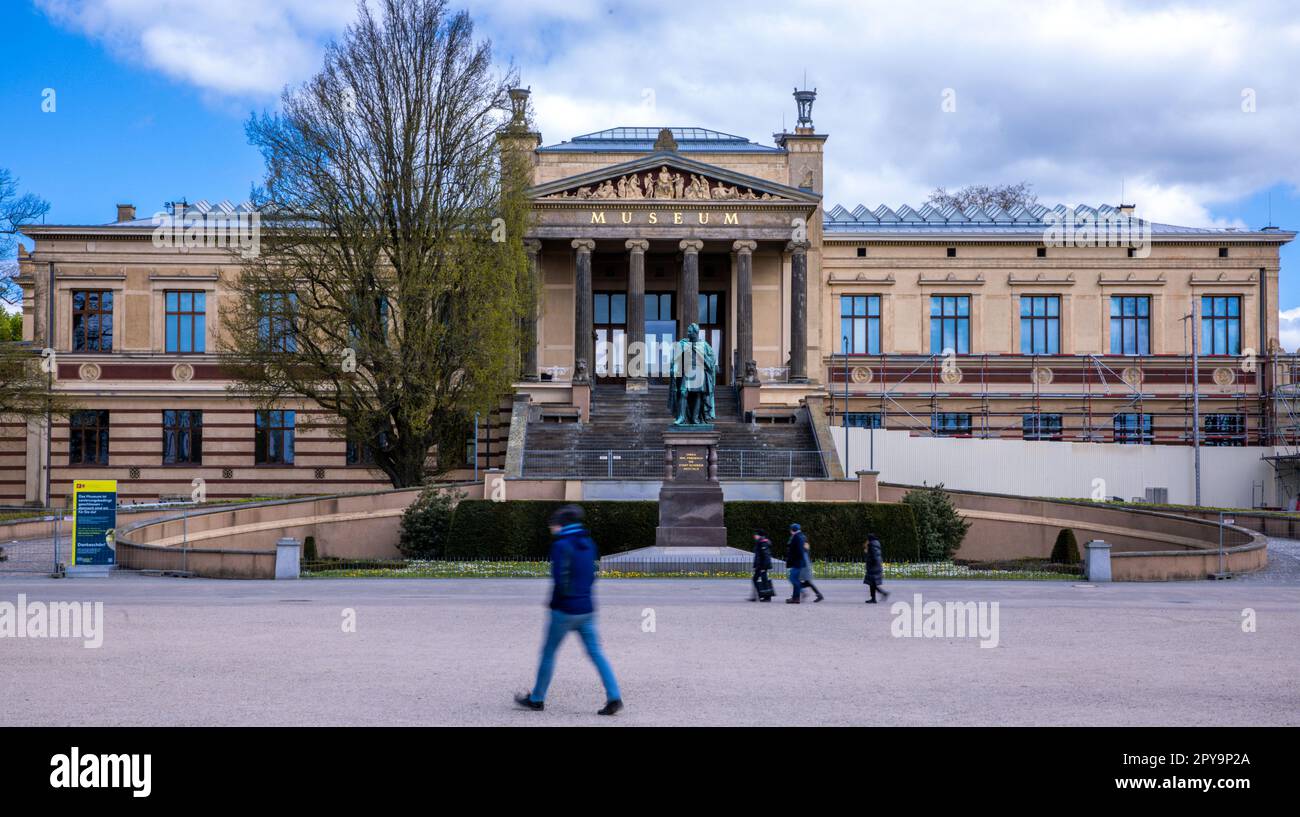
[[664, 185]]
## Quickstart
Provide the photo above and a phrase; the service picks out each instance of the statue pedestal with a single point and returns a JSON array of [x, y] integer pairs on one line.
[[690, 501]]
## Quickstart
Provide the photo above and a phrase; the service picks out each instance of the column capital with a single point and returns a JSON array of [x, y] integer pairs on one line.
[[744, 247], [532, 246], [691, 245], [637, 244], [798, 247], [583, 245]]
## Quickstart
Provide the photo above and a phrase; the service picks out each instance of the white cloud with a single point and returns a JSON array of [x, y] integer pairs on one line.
[[1079, 98], [1289, 329]]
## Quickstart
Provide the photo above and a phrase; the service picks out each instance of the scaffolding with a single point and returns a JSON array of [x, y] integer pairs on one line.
[[1244, 401]]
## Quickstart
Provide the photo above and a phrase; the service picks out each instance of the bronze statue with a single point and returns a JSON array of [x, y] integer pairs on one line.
[[690, 386]]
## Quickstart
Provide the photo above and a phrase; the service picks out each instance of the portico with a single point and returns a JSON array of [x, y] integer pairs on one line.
[[722, 249]]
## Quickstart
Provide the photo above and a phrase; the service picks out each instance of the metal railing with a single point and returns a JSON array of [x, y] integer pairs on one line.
[[649, 464]]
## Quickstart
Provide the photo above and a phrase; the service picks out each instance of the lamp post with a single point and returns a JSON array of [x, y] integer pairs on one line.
[[846, 406]]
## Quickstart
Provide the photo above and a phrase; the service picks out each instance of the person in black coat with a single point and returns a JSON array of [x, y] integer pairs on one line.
[[797, 561], [762, 564], [875, 566]]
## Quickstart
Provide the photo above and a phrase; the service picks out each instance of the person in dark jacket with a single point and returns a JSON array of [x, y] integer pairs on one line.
[[797, 560], [762, 563], [875, 566], [573, 572]]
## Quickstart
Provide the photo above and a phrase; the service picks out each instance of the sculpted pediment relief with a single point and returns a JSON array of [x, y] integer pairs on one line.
[[663, 184]]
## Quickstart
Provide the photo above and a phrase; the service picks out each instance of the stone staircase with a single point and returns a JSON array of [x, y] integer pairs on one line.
[[624, 440]]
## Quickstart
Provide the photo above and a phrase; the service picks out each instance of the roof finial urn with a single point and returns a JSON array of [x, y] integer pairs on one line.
[[519, 106], [804, 99]]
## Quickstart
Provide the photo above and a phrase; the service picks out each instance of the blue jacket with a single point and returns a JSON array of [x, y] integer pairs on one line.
[[795, 555], [573, 568]]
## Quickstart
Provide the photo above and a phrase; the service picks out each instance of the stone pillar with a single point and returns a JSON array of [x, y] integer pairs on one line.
[[534, 249], [868, 486], [745, 309], [584, 358], [798, 311], [635, 341], [690, 292], [1096, 561]]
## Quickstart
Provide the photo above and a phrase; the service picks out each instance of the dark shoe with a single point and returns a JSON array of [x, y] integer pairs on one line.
[[870, 601], [753, 599], [611, 708], [884, 594], [791, 601], [769, 598], [527, 702], [820, 597]]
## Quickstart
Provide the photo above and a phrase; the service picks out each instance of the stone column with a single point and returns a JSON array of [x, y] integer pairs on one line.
[[798, 311], [745, 308], [584, 358], [690, 292], [635, 340], [534, 249]]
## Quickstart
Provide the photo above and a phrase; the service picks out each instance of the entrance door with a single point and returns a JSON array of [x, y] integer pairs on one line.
[[713, 328], [660, 334], [610, 321]]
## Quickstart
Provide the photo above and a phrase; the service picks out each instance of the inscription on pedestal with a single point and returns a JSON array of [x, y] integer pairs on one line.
[[690, 502]]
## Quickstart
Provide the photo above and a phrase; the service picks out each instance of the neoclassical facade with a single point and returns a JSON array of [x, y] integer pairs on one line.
[[1033, 323]]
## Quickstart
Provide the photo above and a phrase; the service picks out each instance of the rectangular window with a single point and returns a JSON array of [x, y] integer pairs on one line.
[[182, 437], [1040, 325], [186, 322], [92, 320], [88, 438], [1133, 429], [709, 308], [1130, 325], [1042, 427], [950, 424], [860, 324], [360, 452], [273, 444], [275, 324], [1220, 325], [1224, 429], [863, 419], [950, 324]]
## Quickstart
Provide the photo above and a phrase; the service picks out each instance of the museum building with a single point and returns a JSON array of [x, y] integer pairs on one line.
[[1075, 324]]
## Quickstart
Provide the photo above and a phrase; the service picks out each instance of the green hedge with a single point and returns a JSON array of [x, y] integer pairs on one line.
[[836, 530], [516, 529]]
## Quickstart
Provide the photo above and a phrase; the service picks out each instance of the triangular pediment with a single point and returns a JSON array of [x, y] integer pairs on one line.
[[667, 176]]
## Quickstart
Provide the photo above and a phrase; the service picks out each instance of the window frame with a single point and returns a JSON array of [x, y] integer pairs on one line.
[[263, 431], [276, 311], [1049, 320], [1140, 433], [869, 323], [939, 323], [1228, 320], [84, 316], [99, 432], [197, 317], [1138, 323], [171, 426], [1034, 420]]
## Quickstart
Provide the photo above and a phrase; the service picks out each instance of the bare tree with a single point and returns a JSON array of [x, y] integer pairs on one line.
[[391, 280], [16, 210], [1001, 196]]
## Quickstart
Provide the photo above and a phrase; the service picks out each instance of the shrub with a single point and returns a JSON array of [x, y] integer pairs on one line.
[[309, 549], [940, 528], [836, 530], [517, 529], [1066, 549], [425, 524]]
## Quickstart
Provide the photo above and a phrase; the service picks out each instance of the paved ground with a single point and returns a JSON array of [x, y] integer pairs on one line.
[[451, 652]]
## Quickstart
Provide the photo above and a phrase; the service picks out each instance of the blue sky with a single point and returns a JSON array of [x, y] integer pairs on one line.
[[1077, 98]]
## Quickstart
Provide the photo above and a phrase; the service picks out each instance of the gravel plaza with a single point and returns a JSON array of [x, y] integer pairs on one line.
[[687, 652]]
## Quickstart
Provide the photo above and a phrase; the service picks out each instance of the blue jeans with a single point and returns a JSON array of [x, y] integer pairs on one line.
[[793, 574], [562, 624]]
